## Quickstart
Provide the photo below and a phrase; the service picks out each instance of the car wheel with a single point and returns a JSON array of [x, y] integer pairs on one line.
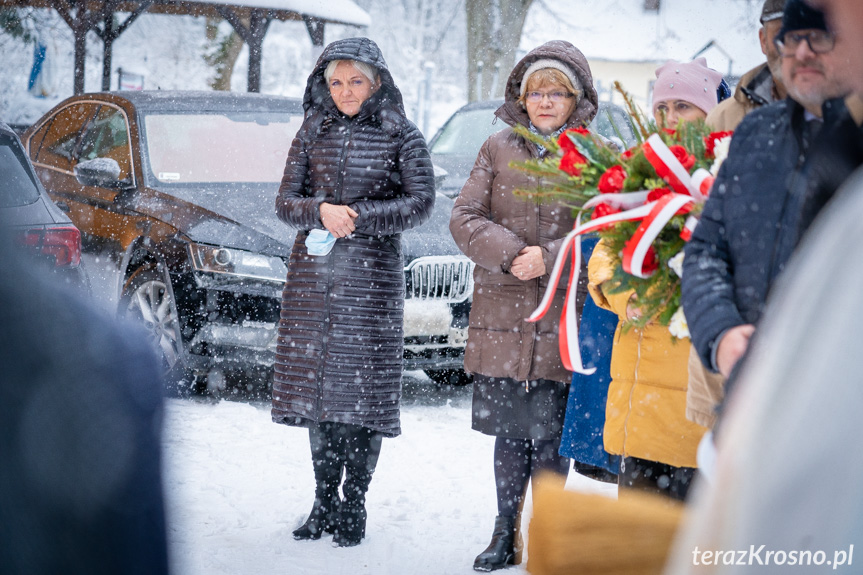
[[149, 301], [449, 376]]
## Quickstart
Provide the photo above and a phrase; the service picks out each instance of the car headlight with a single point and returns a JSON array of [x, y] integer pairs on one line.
[[237, 262]]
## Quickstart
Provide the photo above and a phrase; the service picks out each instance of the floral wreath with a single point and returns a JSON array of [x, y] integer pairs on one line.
[[643, 203]]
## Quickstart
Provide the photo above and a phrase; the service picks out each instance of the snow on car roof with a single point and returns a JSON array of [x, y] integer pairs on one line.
[[203, 100]]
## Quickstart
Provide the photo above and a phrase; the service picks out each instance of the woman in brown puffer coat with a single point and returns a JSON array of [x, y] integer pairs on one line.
[[520, 384], [359, 169]]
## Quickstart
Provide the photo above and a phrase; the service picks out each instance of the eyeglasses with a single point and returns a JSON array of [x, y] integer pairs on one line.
[[554, 97], [819, 41]]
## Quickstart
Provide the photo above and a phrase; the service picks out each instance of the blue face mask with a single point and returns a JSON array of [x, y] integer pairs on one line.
[[320, 242]]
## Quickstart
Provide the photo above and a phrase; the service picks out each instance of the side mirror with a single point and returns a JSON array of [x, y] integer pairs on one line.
[[99, 172]]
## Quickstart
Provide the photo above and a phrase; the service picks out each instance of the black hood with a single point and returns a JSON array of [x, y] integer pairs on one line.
[[317, 96]]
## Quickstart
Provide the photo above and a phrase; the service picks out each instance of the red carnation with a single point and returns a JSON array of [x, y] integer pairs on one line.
[[566, 143], [628, 154], [657, 193], [602, 210], [612, 180], [670, 132], [685, 158], [572, 162], [710, 142]]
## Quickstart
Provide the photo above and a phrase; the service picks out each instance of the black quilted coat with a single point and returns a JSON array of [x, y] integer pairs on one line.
[[339, 355]]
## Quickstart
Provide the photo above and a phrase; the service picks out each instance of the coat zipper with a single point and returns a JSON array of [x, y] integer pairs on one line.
[[332, 266]]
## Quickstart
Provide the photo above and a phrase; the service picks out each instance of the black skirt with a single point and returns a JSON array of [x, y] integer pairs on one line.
[[504, 407]]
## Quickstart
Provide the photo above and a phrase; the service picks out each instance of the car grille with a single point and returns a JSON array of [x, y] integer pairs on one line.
[[441, 278]]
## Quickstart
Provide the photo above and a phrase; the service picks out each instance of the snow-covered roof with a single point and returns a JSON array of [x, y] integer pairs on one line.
[[336, 11], [330, 11]]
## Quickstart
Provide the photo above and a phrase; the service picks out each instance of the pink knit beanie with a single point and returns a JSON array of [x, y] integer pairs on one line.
[[692, 82]]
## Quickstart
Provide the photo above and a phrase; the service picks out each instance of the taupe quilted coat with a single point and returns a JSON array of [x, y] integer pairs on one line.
[[491, 224]]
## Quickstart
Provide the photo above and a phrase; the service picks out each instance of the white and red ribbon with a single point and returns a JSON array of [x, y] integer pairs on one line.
[[654, 216]]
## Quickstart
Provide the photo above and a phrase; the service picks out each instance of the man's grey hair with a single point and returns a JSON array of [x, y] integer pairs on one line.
[[366, 70]]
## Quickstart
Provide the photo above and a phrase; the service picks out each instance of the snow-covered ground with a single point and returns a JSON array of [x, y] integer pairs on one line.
[[238, 484]]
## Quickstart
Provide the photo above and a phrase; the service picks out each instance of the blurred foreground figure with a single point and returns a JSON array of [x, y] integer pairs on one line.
[[794, 414], [781, 419], [590, 534], [792, 417], [80, 427]]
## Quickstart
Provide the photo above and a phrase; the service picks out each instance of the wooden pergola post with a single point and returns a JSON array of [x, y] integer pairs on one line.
[[253, 35], [108, 33], [315, 28], [80, 20]]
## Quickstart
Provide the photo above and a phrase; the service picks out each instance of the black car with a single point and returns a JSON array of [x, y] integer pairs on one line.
[[32, 220], [455, 146], [180, 188]]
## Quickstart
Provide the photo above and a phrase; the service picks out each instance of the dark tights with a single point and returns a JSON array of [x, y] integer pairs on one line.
[[516, 461]]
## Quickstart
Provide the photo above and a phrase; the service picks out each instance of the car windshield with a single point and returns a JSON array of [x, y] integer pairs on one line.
[[227, 147], [466, 132], [19, 188]]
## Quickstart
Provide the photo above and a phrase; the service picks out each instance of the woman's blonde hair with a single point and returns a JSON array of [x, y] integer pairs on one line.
[[366, 70], [545, 76]]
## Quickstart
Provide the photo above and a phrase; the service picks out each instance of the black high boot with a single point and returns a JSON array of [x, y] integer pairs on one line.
[[363, 449], [327, 464], [505, 547]]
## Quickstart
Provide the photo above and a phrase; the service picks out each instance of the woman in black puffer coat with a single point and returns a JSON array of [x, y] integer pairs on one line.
[[359, 169]]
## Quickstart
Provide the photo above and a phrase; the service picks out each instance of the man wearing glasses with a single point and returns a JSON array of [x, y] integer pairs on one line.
[[751, 222], [760, 86]]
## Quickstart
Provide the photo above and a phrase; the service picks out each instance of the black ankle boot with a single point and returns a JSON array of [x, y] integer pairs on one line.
[[505, 547], [322, 519], [351, 526]]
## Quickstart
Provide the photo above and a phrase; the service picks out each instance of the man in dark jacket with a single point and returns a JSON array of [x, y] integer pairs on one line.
[[80, 429], [749, 226], [763, 84]]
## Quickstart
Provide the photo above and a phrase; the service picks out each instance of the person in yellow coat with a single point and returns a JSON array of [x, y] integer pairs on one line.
[[645, 417]]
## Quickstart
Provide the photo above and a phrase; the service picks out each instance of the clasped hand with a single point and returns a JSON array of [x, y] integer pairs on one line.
[[338, 220], [528, 264]]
